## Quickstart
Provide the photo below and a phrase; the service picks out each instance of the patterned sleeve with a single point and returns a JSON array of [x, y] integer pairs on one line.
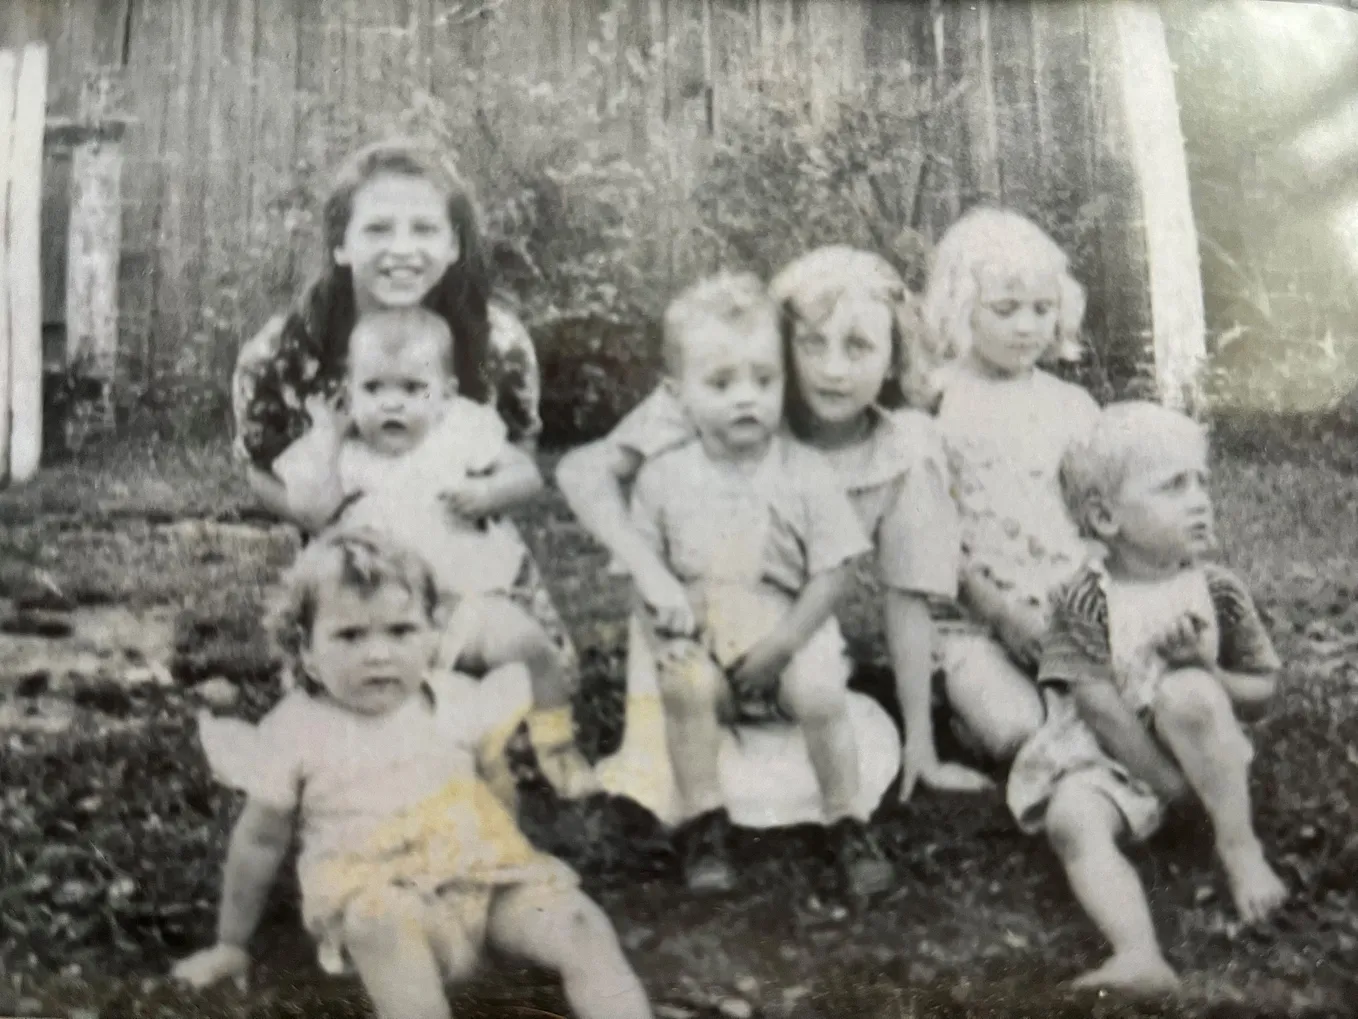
[[833, 533], [657, 424], [1245, 644], [268, 393], [516, 380], [918, 539], [1076, 648]]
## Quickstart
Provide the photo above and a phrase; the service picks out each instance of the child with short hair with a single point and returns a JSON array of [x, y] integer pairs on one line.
[[1147, 652], [1001, 303], [411, 458], [758, 530], [409, 862]]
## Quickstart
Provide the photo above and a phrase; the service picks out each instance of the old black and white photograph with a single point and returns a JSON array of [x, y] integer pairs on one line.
[[678, 509]]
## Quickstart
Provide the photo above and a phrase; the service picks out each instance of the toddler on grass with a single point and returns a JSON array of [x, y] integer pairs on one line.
[[409, 863], [1149, 654], [759, 531]]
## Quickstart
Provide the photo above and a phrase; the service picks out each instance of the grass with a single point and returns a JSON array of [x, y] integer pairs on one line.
[[114, 831]]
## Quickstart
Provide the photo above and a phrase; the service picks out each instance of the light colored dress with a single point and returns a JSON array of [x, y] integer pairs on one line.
[[747, 545], [403, 800], [1109, 630], [1004, 441]]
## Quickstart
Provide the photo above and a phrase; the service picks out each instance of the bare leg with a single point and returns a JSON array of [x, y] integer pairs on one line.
[[995, 700], [815, 693], [691, 688], [1083, 827], [1193, 716], [386, 939], [563, 930]]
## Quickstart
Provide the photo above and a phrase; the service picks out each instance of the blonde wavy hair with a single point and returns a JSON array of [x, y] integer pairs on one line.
[[355, 559], [809, 291], [993, 236]]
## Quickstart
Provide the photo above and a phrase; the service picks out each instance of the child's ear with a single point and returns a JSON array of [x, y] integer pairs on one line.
[[1101, 519], [450, 387]]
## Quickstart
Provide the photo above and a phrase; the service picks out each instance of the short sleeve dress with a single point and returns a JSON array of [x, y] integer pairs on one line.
[[397, 801], [1004, 444]]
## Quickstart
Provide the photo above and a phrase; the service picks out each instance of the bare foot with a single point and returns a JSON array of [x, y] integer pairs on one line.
[[1139, 973], [1256, 889]]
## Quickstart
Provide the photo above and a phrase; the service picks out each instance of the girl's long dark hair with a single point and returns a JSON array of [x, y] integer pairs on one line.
[[323, 316]]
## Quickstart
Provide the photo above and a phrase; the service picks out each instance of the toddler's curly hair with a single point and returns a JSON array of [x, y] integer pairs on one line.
[[1094, 469], [994, 236], [355, 559], [811, 288]]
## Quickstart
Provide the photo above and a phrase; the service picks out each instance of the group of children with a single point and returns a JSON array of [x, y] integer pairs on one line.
[[802, 428]]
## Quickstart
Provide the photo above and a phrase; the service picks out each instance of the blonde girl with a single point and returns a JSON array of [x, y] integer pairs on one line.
[[849, 329], [410, 863], [1000, 303]]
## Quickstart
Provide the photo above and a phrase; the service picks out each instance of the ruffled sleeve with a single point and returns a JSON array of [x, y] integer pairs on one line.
[[918, 537], [264, 761]]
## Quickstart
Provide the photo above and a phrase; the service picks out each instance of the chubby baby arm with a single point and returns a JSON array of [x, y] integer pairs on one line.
[[512, 478], [258, 845]]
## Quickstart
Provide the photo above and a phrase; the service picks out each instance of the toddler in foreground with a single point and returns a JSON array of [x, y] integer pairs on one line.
[[760, 533], [1150, 653], [409, 862]]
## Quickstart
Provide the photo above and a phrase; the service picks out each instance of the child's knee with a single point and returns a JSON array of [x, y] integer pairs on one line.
[[689, 680], [378, 923], [813, 695], [1191, 700], [1078, 818]]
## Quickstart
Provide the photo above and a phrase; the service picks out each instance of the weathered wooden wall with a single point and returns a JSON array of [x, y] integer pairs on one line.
[[220, 90]]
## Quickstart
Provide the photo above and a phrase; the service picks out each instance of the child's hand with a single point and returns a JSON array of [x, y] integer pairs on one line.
[[1182, 646], [924, 768], [759, 668], [211, 965], [469, 498], [672, 613]]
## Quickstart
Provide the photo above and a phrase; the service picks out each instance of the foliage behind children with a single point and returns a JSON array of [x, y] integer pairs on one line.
[[409, 862], [1147, 653]]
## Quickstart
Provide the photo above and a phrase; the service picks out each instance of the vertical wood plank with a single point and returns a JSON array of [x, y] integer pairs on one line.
[[982, 129], [8, 72], [25, 301], [1150, 111], [148, 76]]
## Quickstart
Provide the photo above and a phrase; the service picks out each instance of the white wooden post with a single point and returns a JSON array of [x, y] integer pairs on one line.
[[22, 271], [8, 65], [94, 240], [1155, 138]]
